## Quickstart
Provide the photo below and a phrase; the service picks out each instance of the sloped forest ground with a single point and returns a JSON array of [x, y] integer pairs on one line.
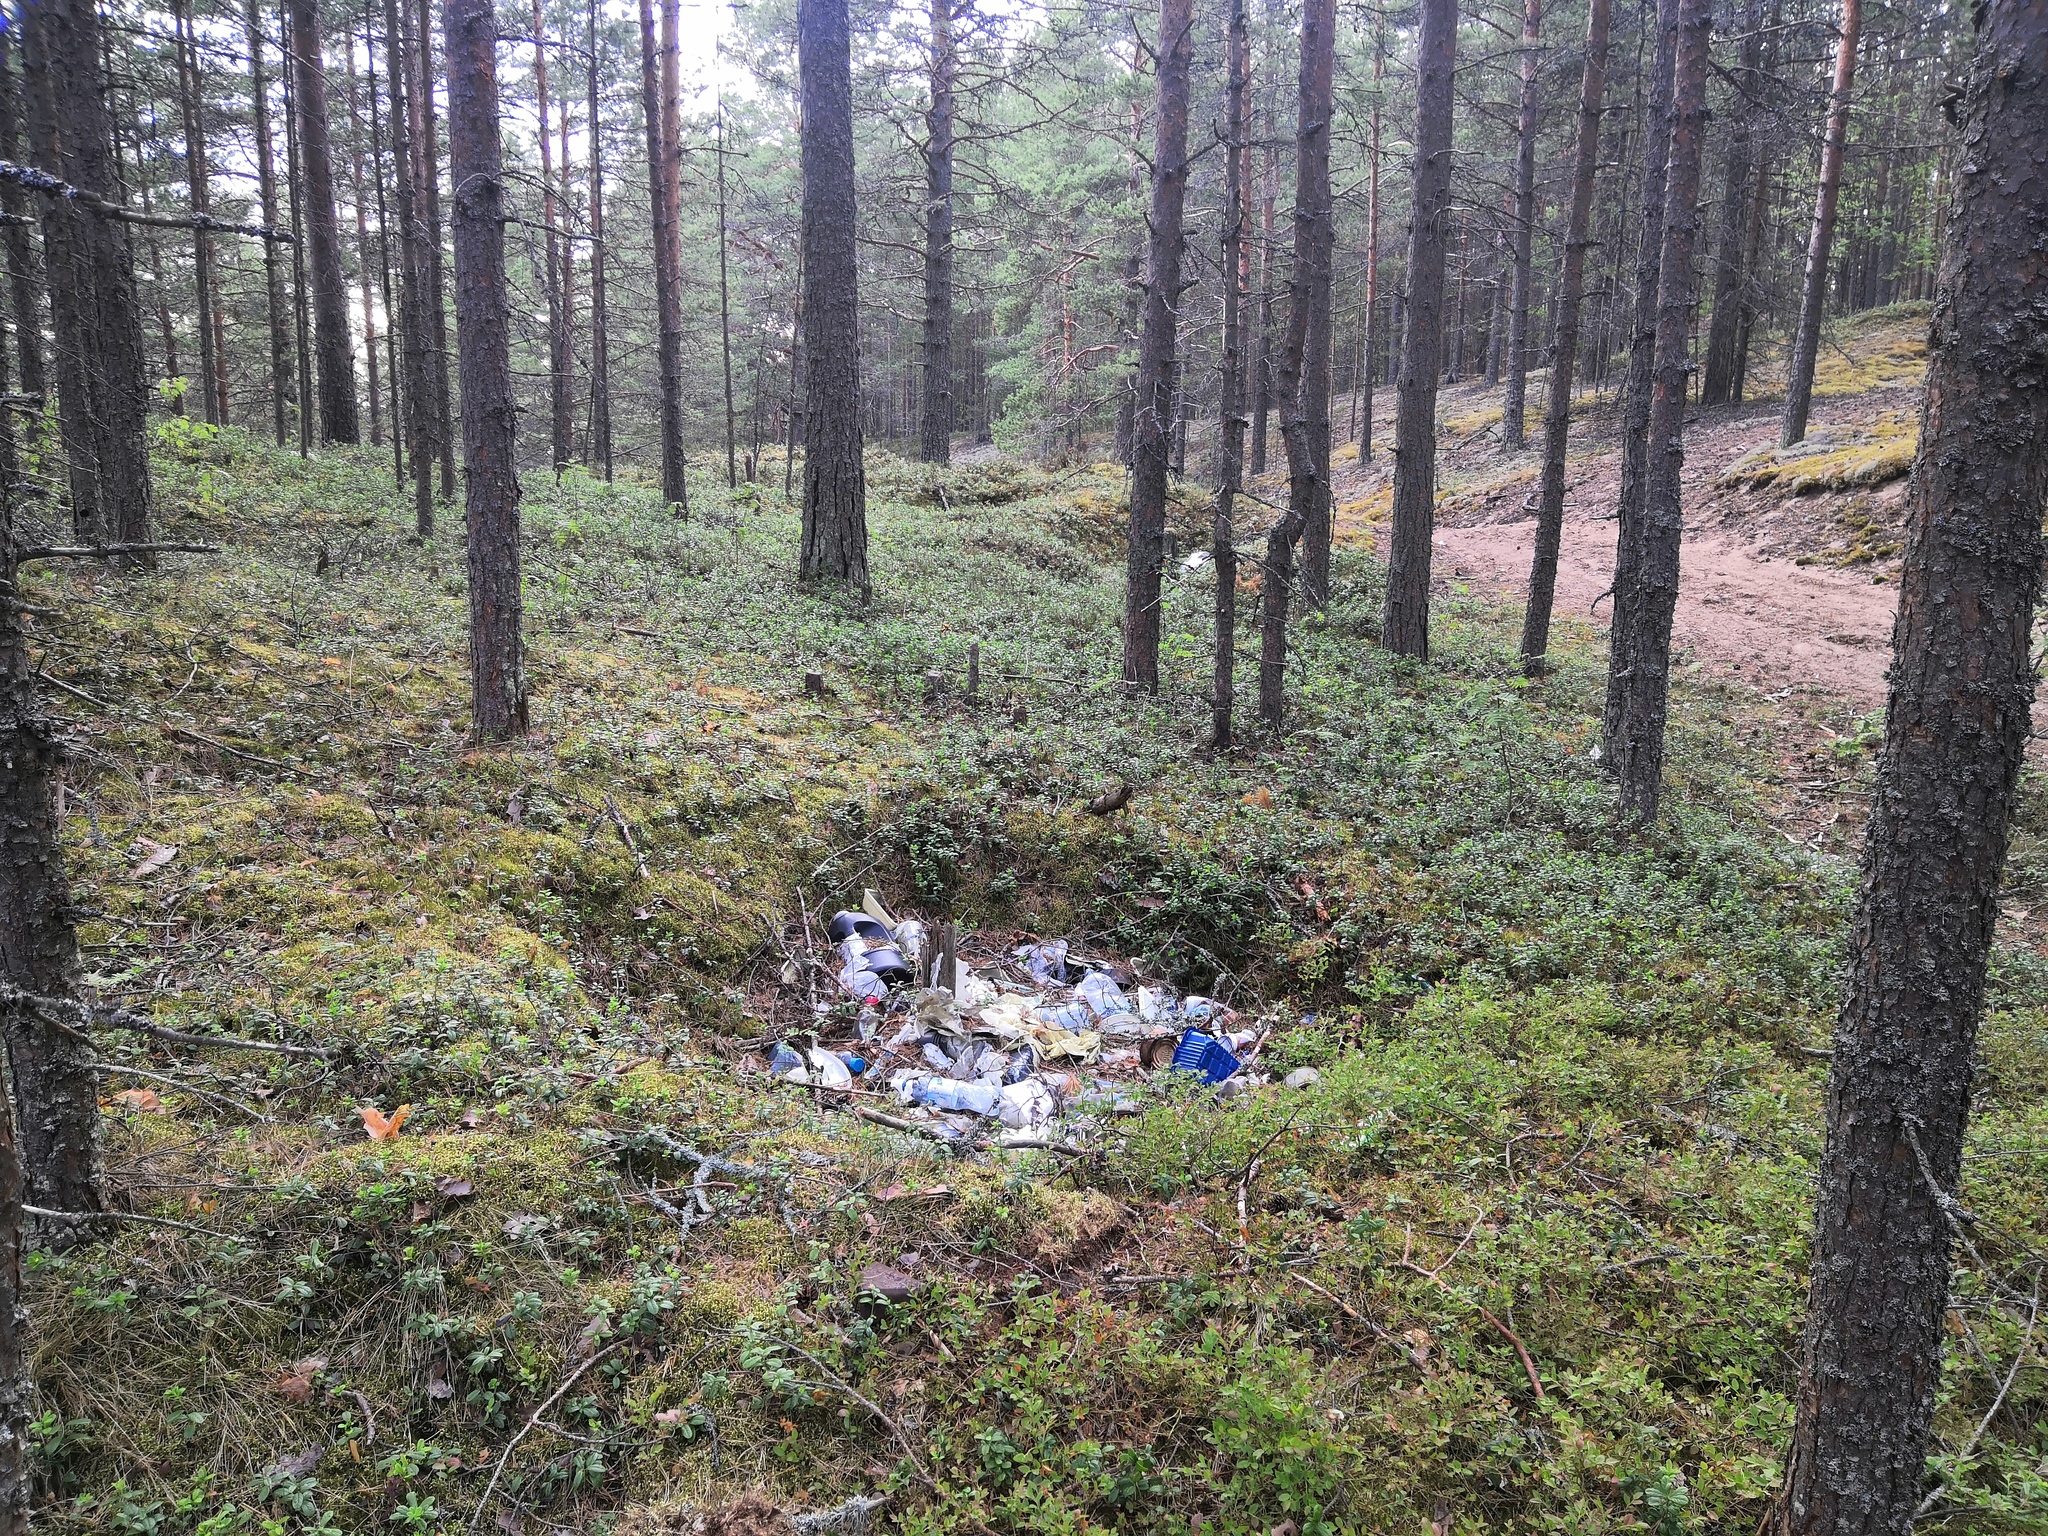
[[1530, 1256]]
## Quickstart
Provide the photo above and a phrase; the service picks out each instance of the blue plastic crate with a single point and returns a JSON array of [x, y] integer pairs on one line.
[[1204, 1055]]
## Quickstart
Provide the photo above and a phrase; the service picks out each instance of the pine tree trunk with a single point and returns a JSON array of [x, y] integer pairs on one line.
[[413, 258], [490, 414], [1233, 265], [201, 204], [55, 1085], [835, 519], [1565, 355], [358, 196], [22, 264], [333, 348], [1372, 257], [1269, 196], [1813, 295], [393, 323], [1152, 409], [935, 424], [1302, 379], [1956, 731], [103, 378], [301, 322], [725, 312], [1730, 276], [1405, 628], [667, 275], [560, 420], [17, 1381], [1647, 696], [1635, 389], [1522, 232], [266, 183], [427, 149], [600, 436], [1307, 405]]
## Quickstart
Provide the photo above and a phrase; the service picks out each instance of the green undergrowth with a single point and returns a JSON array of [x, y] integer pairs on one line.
[[1528, 1257]]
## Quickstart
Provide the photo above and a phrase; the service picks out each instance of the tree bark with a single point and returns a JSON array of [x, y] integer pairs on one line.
[[1635, 389], [725, 313], [1269, 196], [427, 147], [935, 422], [301, 322], [359, 196], [17, 1382], [1565, 354], [102, 377], [1233, 267], [1806, 338], [560, 422], [1522, 233], [1956, 730], [22, 264], [599, 439], [413, 259], [333, 348], [490, 415], [1646, 697], [667, 256], [835, 519], [1372, 255], [1302, 381], [1405, 628], [392, 321], [266, 183], [1730, 275], [210, 394], [55, 1085], [1152, 409]]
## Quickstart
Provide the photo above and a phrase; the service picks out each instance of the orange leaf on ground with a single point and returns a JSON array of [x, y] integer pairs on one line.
[[379, 1126]]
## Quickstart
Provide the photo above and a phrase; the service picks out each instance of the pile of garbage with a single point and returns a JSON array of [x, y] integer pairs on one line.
[[1039, 1034]]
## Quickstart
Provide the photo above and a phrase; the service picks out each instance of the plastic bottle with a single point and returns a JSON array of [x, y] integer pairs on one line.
[[944, 1093]]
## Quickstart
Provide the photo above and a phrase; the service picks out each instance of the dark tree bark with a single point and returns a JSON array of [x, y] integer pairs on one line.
[[667, 255], [22, 265], [1302, 381], [301, 320], [935, 420], [1731, 277], [1806, 336], [1635, 389], [725, 314], [1956, 730], [427, 149], [333, 348], [102, 377], [490, 415], [835, 523], [1305, 409], [1406, 625], [210, 394], [393, 323], [1372, 257], [55, 1085], [413, 258], [364, 275], [1233, 266], [1269, 197], [1565, 354], [1646, 694], [561, 421], [1522, 232], [266, 184], [599, 438], [1152, 410]]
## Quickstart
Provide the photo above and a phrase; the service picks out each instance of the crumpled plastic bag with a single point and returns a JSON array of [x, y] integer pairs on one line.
[[1102, 994], [1046, 962], [1027, 1105]]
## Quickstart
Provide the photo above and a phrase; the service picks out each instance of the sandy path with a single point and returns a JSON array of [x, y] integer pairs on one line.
[[1745, 606], [1769, 622]]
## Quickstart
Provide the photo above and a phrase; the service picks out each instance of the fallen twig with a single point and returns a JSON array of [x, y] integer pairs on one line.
[[538, 1414]]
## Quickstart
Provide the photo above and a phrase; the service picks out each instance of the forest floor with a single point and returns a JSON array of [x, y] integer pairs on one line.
[[1528, 1257]]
